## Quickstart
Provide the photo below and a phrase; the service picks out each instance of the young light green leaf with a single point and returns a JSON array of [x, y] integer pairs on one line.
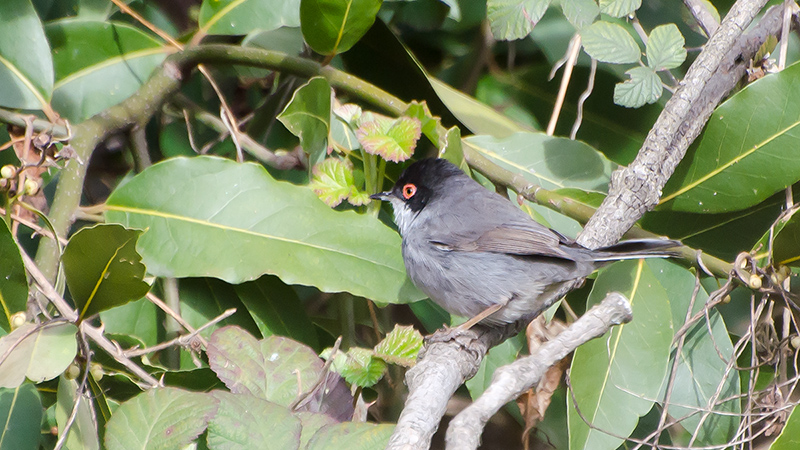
[[665, 48], [103, 269], [21, 416], [580, 13], [644, 87], [169, 416], [38, 352], [514, 19], [429, 123], [332, 181], [609, 42], [359, 366], [400, 346], [241, 422], [26, 70], [270, 368], [393, 140], [240, 17], [83, 432], [349, 112], [308, 116], [619, 8], [615, 378], [209, 216], [331, 27], [13, 281]]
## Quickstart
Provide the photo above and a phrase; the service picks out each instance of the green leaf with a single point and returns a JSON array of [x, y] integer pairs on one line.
[[393, 140], [514, 19], [749, 150], [159, 418], [331, 27], [269, 369], [82, 432], [351, 436], [26, 67], [203, 299], [332, 180], [21, 416], [498, 356], [400, 346], [615, 377], [103, 269], [644, 87], [786, 242], [99, 64], [311, 423], [138, 318], [308, 116], [240, 17], [359, 366], [277, 310], [619, 8], [550, 162], [13, 280], [665, 48], [609, 42], [789, 439], [246, 422], [38, 352], [209, 216], [580, 13]]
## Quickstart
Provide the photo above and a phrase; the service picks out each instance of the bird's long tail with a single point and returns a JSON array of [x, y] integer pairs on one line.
[[638, 248]]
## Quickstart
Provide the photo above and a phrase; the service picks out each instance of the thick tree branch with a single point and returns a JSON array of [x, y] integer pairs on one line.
[[510, 381]]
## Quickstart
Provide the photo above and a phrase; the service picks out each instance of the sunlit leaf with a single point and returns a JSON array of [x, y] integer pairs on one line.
[[400, 346], [26, 67], [643, 87], [665, 47], [619, 8], [514, 19], [332, 181], [393, 140], [241, 423], [308, 116], [333, 26], [609, 42], [240, 17], [38, 352]]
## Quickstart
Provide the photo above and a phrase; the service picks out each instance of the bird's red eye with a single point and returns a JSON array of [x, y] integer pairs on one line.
[[409, 190]]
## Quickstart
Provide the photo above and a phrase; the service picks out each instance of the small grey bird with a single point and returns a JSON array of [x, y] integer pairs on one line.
[[477, 255]]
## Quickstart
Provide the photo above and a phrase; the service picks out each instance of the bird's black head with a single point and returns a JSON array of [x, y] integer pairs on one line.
[[420, 182]]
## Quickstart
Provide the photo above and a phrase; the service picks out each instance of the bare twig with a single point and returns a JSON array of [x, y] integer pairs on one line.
[[96, 334], [573, 51], [183, 340]]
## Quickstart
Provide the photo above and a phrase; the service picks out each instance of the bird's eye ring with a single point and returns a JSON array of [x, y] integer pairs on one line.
[[409, 190]]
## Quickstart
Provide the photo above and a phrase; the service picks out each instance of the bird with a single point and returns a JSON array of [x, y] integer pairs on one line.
[[477, 255]]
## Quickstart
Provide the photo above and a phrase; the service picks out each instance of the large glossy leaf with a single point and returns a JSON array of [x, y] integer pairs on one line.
[[103, 269], [21, 416], [239, 17], [247, 422], [99, 64], [333, 26], [83, 431], [26, 68], [351, 436], [550, 162], [38, 352], [276, 369], [203, 299], [159, 418], [208, 216], [750, 149], [138, 318], [615, 378], [702, 378], [13, 282]]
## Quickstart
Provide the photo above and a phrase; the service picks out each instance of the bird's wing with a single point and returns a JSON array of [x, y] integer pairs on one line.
[[524, 239]]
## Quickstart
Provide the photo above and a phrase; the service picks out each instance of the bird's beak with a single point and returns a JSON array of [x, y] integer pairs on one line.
[[381, 195]]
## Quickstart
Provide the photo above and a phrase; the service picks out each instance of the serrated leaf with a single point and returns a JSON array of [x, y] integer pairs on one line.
[[269, 368], [161, 418], [429, 124], [580, 13], [400, 346], [749, 150], [360, 367], [616, 377], [351, 436], [21, 416], [332, 181], [103, 269], [308, 116], [349, 112], [83, 432], [13, 279], [619, 8], [26, 67], [311, 423], [208, 216], [644, 87], [240, 17], [393, 140], [609, 42], [514, 19], [331, 27], [38, 352], [665, 48], [357, 197], [239, 424]]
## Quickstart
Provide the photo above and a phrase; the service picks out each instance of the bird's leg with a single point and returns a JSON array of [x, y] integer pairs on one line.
[[462, 331], [483, 314]]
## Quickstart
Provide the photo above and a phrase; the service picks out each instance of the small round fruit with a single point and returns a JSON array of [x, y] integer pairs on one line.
[[31, 187], [8, 171]]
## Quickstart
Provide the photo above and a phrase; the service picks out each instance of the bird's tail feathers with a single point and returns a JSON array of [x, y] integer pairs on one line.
[[638, 248]]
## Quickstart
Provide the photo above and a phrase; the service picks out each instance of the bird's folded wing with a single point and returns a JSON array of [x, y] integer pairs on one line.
[[514, 240]]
